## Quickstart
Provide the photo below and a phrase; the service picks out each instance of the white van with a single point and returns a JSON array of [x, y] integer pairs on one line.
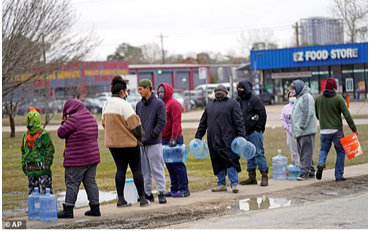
[[211, 87]]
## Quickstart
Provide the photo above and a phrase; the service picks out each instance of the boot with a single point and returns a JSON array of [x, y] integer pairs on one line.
[[265, 179], [94, 211], [67, 212], [252, 178]]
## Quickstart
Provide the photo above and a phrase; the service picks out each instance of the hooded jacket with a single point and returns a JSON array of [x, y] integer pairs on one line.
[[303, 117], [251, 105], [328, 107], [81, 133], [286, 115], [222, 120], [152, 113], [173, 112]]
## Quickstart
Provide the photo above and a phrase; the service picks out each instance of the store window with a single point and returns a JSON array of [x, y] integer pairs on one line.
[[348, 83], [336, 72], [359, 81]]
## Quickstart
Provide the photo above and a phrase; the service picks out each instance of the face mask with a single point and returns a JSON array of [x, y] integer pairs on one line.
[[292, 100], [219, 95], [161, 95], [241, 93]]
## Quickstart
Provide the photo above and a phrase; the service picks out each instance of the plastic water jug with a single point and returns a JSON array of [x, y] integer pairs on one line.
[[176, 154], [199, 149], [279, 164], [34, 205], [292, 171], [130, 191], [243, 148], [48, 207]]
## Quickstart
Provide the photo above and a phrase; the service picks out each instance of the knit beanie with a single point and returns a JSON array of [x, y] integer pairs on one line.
[[330, 84], [145, 83]]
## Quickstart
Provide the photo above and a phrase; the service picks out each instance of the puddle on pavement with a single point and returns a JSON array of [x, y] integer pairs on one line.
[[258, 203], [82, 197]]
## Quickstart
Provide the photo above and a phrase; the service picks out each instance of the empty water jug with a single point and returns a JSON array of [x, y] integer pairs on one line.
[[176, 154], [199, 149], [130, 191], [279, 164], [292, 171], [34, 205], [243, 148], [48, 207]]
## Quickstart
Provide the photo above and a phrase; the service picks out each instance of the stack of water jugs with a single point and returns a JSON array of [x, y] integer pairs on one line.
[[42, 207], [176, 154], [280, 170]]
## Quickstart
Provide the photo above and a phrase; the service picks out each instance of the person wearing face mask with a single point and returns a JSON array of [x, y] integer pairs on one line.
[[285, 118], [124, 136], [172, 135], [222, 120], [254, 116]]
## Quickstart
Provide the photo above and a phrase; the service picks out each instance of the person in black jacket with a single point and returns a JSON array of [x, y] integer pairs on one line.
[[222, 119], [254, 116]]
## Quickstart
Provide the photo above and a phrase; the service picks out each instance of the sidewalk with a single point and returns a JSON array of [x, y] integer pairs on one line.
[[110, 211]]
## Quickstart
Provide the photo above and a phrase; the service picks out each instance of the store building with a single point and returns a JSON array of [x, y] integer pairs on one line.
[[347, 63]]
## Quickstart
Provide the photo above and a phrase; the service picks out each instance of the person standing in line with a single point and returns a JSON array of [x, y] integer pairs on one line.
[[254, 116], [123, 137], [285, 118], [304, 127], [152, 112], [172, 135], [81, 156], [329, 107], [222, 120]]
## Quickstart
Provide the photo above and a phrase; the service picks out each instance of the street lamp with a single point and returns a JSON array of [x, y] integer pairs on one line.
[[256, 76]]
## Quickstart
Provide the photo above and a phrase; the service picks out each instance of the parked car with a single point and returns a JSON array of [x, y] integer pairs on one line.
[[93, 105], [184, 101], [105, 94], [133, 100], [23, 107], [267, 97], [196, 99], [57, 105]]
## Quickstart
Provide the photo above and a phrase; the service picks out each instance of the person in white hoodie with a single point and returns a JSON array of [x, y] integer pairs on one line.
[[285, 118]]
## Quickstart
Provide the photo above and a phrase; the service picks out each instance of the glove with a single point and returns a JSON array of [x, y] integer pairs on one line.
[[172, 142], [356, 132], [154, 135]]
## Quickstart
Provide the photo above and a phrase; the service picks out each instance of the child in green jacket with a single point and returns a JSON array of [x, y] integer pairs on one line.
[[37, 153]]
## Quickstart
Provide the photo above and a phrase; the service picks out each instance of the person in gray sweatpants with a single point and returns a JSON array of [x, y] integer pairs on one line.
[[304, 127], [152, 113]]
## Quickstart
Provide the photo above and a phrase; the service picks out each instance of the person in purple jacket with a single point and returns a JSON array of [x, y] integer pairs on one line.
[[81, 156], [285, 118]]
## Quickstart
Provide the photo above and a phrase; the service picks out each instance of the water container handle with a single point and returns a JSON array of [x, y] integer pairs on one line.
[[195, 145], [234, 142], [47, 191]]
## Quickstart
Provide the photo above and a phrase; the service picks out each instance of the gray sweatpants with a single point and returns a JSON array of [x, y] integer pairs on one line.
[[293, 147], [74, 175], [152, 166], [306, 147]]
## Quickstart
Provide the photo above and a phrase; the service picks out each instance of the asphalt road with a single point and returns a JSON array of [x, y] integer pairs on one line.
[[316, 215]]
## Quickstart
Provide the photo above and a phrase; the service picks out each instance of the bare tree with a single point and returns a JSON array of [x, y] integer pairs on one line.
[[152, 53], [36, 41], [354, 15], [256, 39]]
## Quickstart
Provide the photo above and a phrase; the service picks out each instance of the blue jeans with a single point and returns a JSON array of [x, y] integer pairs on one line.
[[259, 159], [326, 140], [177, 171], [232, 175]]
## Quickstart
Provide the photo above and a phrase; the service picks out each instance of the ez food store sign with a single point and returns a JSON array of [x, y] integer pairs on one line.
[[346, 53]]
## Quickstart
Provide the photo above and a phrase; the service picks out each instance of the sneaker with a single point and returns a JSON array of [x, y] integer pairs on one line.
[[150, 197], [162, 198], [235, 189], [320, 168], [182, 193], [219, 188], [303, 177], [311, 175], [340, 179], [169, 194]]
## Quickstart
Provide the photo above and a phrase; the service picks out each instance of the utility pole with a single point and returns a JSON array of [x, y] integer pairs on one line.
[[163, 58], [296, 34]]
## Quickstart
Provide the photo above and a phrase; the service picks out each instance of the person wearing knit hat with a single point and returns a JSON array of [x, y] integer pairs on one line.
[[329, 107]]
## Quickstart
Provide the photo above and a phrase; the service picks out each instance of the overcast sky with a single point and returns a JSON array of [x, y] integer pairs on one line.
[[192, 25]]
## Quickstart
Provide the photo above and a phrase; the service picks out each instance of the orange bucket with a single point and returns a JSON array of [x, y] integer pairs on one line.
[[351, 146]]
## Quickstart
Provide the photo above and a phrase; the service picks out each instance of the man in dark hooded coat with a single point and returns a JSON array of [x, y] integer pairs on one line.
[[222, 119]]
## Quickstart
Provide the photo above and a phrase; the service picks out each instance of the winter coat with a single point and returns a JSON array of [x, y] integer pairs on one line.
[[303, 114], [152, 113], [251, 105], [285, 118], [81, 133], [173, 112], [122, 126], [222, 120], [329, 107]]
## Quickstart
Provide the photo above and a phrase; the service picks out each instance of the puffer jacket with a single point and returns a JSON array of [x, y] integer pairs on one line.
[[81, 133], [303, 115]]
